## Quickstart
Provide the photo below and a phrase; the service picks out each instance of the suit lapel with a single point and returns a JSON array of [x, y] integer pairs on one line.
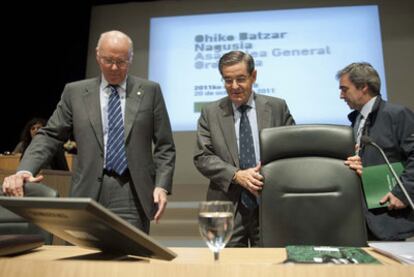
[[134, 95], [227, 128], [264, 113], [93, 108]]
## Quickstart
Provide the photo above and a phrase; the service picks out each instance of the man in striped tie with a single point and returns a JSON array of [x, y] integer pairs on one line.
[[126, 153]]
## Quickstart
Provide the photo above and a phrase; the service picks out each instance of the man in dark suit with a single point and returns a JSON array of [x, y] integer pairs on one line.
[[221, 146], [392, 128], [134, 184]]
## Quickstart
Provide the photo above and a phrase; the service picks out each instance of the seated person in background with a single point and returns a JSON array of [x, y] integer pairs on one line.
[[29, 130], [58, 161]]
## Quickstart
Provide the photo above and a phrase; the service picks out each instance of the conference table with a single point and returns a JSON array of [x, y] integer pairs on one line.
[[195, 262]]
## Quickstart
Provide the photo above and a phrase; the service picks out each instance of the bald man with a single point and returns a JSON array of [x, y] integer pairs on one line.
[[132, 178]]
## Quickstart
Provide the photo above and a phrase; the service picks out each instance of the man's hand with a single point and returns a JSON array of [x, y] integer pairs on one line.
[[393, 202], [160, 199], [13, 184], [250, 179], [355, 163]]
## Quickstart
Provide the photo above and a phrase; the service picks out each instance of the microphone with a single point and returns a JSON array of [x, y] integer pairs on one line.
[[367, 140]]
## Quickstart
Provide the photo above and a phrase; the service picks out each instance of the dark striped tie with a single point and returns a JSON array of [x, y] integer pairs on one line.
[[247, 156], [115, 149]]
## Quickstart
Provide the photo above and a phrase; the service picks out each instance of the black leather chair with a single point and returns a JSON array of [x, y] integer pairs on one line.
[[310, 197], [10, 223]]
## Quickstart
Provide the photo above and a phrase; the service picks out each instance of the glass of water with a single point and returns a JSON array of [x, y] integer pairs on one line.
[[216, 220]]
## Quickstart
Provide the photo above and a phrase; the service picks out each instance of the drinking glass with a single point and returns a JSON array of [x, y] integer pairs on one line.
[[216, 220]]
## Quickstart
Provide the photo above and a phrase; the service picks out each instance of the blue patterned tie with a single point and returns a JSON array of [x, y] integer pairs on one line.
[[115, 149], [247, 157]]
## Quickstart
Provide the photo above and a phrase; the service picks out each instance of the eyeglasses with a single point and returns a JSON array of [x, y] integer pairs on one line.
[[240, 80], [111, 62]]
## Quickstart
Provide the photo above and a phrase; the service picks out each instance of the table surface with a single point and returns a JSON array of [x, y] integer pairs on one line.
[[198, 262]]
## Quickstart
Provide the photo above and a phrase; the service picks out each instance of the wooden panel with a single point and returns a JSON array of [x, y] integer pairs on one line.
[[10, 162], [70, 159], [60, 180]]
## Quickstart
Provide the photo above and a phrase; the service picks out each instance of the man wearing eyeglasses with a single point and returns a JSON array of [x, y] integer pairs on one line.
[[227, 150], [126, 153]]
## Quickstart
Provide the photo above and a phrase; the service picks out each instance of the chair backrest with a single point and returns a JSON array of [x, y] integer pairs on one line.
[[310, 197], [10, 223]]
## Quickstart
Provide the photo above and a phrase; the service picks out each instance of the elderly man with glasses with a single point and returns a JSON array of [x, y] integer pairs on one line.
[[227, 150], [126, 153]]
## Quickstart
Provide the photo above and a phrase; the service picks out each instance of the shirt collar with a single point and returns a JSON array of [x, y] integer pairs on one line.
[[367, 108], [105, 84], [251, 103]]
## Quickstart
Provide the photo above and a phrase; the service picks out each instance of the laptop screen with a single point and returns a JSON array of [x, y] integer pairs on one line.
[[84, 222]]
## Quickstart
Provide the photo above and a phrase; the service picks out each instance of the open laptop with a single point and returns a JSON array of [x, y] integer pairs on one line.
[[84, 222]]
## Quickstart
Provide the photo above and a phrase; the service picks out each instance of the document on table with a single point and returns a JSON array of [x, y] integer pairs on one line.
[[402, 251], [328, 254]]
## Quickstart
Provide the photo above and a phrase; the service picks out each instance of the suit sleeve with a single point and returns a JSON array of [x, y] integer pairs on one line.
[[286, 115], [50, 138], [208, 160], [405, 136], [164, 147]]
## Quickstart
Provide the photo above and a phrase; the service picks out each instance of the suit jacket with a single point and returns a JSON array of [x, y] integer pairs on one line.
[[216, 154], [392, 128], [58, 161], [148, 138]]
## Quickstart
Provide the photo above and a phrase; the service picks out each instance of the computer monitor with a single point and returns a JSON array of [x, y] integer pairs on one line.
[[84, 222]]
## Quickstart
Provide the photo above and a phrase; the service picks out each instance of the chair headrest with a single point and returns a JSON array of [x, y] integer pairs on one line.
[[320, 140]]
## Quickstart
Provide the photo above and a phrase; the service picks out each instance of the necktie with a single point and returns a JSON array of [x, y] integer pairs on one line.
[[115, 149], [247, 155], [359, 128]]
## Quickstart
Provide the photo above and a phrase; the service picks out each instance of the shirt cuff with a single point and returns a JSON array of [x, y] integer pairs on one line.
[[24, 171], [166, 191]]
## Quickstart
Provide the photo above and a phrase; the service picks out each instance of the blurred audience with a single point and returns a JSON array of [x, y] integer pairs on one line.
[[58, 162], [29, 131]]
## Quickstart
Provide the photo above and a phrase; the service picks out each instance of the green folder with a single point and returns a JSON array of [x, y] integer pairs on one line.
[[377, 181], [328, 254]]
